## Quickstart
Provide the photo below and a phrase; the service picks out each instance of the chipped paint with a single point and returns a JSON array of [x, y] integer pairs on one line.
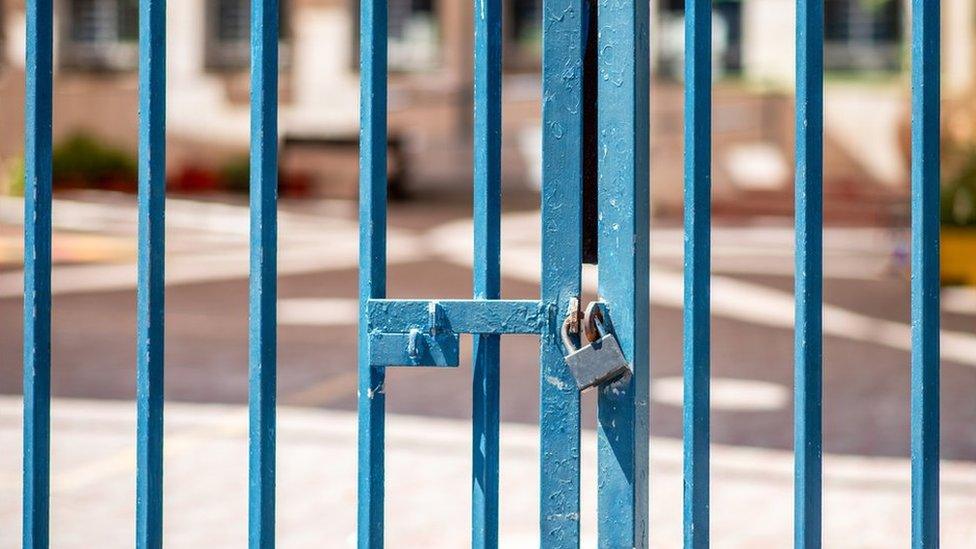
[[372, 392], [623, 268], [562, 62], [558, 383]]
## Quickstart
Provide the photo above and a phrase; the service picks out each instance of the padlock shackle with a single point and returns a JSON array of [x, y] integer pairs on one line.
[[593, 322], [564, 334]]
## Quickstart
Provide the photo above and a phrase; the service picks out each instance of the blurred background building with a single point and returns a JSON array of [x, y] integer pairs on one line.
[[867, 323], [867, 93]]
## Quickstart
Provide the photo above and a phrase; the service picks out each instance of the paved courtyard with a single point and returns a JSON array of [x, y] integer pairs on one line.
[[866, 379], [428, 472]]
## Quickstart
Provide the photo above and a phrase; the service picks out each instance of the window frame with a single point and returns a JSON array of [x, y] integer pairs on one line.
[[235, 55], [519, 56], [117, 53], [436, 64], [884, 55]]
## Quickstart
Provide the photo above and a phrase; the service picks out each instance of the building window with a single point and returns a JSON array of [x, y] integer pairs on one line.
[[726, 38], [523, 33], [862, 35], [413, 35], [228, 42], [101, 34]]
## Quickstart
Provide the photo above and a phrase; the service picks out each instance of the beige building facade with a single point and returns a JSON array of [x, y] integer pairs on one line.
[[430, 43]]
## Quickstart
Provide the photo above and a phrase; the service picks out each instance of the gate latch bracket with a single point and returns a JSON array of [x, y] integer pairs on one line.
[[434, 346]]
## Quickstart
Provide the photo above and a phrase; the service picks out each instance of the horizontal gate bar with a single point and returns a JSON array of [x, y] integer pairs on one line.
[[463, 316]]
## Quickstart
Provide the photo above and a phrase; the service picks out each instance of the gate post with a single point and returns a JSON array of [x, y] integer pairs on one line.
[[926, 21], [624, 197], [37, 273], [372, 267], [562, 172]]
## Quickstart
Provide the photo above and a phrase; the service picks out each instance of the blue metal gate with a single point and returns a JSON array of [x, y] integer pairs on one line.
[[426, 332], [392, 330]]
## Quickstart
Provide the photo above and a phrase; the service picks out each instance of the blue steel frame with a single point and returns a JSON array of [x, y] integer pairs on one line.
[[808, 343], [697, 269], [624, 210], [562, 172], [150, 294], [262, 359], [37, 273], [623, 434], [372, 265], [925, 272], [623, 254], [487, 260]]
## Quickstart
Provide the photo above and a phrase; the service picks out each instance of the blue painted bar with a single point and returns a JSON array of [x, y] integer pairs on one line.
[[37, 274], [925, 273], [624, 230], [372, 265], [262, 382], [808, 367], [562, 172], [487, 145], [150, 294], [462, 316], [697, 269], [414, 349]]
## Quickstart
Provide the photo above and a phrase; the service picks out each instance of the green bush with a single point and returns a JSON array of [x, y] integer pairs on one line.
[[12, 177], [959, 194], [235, 174], [82, 160]]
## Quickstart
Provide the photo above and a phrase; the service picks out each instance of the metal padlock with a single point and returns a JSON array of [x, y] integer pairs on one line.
[[599, 361]]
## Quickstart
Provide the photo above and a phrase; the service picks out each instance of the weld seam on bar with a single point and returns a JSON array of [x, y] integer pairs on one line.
[[697, 275], [37, 274], [372, 266], [925, 273], [808, 339], [262, 380], [463, 316], [487, 268], [150, 287]]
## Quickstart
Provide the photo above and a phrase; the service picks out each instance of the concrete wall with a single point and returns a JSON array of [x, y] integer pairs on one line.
[[768, 41]]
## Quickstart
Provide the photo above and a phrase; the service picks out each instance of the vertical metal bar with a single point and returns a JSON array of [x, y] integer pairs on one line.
[[37, 274], [624, 118], [372, 264], [562, 165], [697, 272], [808, 376], [263, 285], [150, 294], [925, 273], [487, 278]]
